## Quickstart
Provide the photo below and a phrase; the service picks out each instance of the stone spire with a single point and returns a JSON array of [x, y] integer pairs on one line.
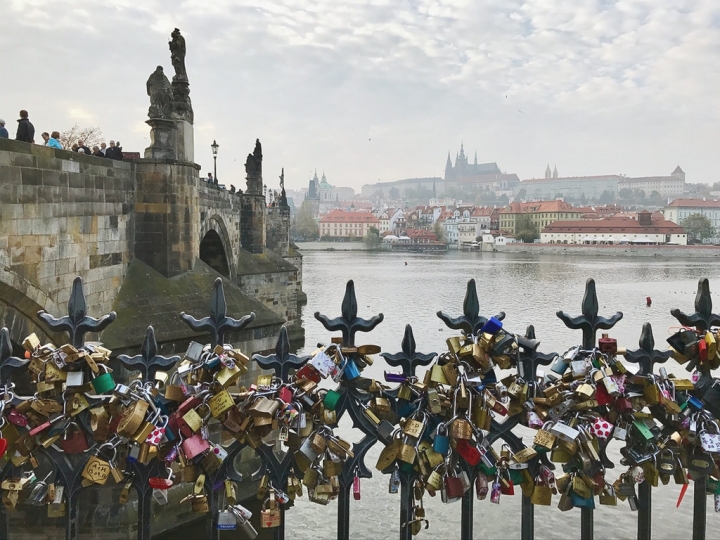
[[475, 162], [555, 173], [548, 172], [448, 167]]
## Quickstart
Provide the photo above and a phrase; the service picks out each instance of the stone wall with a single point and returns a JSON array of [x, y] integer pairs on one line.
[[220, 211], [277, 225], [674, 252], [252, 229], [63, 215]]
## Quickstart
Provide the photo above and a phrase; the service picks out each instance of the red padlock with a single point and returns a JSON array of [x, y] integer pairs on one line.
[[194, 446], [468, 452], [702, 350], [509, 489], [39, 429], [160, 483], [17, 418], [308, 372], [453, 487], [75, 443], [623, 404], [285, 394], [601, 395], [189, 403], [3, 446]]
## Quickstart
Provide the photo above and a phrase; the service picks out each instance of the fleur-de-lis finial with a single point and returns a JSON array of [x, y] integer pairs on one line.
[[408, 358], [470, 321], [7, 360], [282, 361], [703, 318], [349, 323], [589, 321], [76, 323], [529, 358], [646, 356], [148, 362], [218, 323]]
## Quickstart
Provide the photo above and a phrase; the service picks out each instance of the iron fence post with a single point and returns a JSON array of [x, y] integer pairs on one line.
[[587, 517], [700, 508], [343, 525], [467, 521], [644, 525], [527, 524], [406, 503]]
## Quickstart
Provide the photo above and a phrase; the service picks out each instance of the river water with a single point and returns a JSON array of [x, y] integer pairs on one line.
[[530, 289]]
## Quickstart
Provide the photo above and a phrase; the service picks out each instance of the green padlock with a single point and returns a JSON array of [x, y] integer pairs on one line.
[[643, 430], [104, 383], [331, 400]]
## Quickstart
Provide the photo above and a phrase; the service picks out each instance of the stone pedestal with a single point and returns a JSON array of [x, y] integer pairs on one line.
[[162, 139], [184, 141]]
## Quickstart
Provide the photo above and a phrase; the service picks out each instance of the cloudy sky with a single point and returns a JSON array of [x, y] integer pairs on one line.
[[383, 89]]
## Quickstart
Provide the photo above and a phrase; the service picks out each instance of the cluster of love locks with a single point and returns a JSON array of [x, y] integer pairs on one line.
[[443, 430]]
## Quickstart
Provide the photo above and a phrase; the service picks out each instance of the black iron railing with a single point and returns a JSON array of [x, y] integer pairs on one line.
[[353, 401]]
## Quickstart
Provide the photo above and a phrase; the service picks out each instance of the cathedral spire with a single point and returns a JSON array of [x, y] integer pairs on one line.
[[555, 172], [475, 163], [548, 173], [448, 167]]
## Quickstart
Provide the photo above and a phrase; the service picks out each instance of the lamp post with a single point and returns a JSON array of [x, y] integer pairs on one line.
[[215, 147]]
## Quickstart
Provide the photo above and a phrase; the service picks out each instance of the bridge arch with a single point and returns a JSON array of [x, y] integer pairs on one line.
[[20, 301], [215, 247]]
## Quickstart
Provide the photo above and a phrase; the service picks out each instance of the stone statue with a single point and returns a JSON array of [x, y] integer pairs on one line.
[[161, 95], [283, 195], [177, 54], [253, 164]]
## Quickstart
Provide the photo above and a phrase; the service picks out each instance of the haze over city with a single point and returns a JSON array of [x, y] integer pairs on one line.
[[382, 90]]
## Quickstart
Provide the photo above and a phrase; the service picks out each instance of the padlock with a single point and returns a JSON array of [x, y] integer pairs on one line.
[[220, 402], [194, 446], [74, 442], [270, 517], [104, 383], [441, 442]]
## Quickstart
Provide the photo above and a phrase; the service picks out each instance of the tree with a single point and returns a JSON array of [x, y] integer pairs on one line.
[[91, 136], [606, 197], [305, 224], [656, 199], [526, 230], [698, 227], [372, 238], [521, 195], [394, 193], [439, 231]]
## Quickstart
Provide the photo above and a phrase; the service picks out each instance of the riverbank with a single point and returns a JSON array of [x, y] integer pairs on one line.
[[670, 252]]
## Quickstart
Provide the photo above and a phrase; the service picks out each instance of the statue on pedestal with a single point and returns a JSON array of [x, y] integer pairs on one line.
[[161, 95], [177, 55]]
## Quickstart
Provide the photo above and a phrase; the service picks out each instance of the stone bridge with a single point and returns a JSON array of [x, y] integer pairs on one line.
[[123, 226]]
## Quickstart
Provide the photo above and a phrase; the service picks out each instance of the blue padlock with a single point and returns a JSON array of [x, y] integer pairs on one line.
[[582, 502], [695, 403], [489, 378], [351, 370], [441, 443], [491, 326]]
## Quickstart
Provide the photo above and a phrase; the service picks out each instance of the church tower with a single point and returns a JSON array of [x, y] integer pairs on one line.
[[548, 172], [448, 168], [555, 173]]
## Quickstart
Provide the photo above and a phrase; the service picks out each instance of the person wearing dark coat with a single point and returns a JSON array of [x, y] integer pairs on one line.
[[114, 152], [25, 130]]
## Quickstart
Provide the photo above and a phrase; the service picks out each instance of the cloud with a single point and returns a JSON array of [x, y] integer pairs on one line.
[[605, 86]]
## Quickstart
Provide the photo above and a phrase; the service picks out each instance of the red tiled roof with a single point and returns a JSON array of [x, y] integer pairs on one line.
[[614, 225], [539, 206], [684, 203], [341, 216]]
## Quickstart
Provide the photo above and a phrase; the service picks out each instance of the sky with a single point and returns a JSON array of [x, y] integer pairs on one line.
[[381, 90]]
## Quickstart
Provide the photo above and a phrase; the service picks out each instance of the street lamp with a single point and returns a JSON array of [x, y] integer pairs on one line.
[[215, 147]]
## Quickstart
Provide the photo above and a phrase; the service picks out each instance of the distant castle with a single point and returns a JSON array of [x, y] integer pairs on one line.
[[464, 170]]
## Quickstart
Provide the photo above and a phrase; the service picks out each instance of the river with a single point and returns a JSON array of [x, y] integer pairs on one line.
[[530, 289]]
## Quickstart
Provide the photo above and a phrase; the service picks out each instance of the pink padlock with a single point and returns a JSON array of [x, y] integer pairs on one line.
[[194, 446], [601, 428]]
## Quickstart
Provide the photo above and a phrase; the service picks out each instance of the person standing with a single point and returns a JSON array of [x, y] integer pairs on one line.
[[53, 141], [3, 130], [46, 136], [85, 149], [114, 152], [96, 152], [103, 147], [25, 130]]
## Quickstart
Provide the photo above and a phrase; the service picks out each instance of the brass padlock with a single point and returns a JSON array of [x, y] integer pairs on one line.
[[96, 470], [200, 504], [220, 403], [461, 428]]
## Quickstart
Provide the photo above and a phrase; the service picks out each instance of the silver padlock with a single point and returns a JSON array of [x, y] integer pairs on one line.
[[160, 496], [564, 432], [226, 521], [74, 378], [245, 526], [194, 351]]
